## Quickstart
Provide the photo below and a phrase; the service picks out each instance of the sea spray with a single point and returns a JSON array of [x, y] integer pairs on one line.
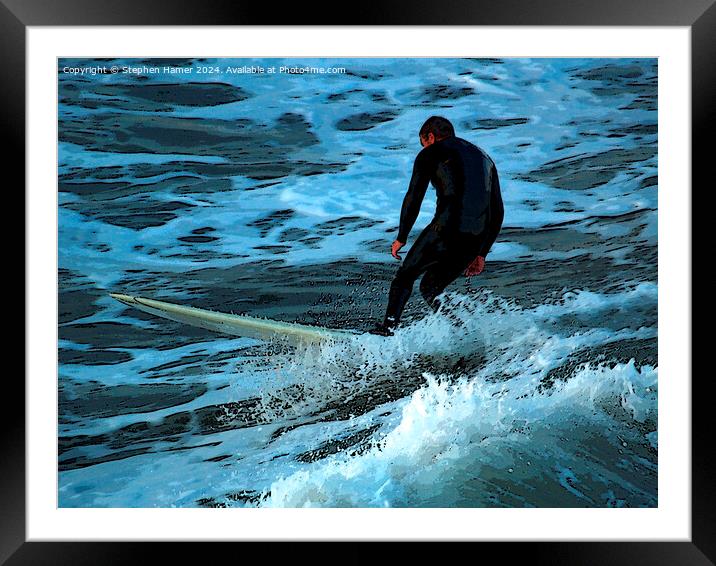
[[449, 433]]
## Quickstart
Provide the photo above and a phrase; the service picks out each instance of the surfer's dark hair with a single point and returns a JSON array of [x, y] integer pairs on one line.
[[438, 126]]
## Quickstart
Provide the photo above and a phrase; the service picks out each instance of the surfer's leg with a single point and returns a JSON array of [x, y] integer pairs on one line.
[[436, 279], [455, 258], [431, 286], [424, 252], [397, 299]]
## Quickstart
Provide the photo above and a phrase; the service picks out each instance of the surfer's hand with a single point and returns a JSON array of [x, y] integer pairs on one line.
[[395, 248], [476, 267]]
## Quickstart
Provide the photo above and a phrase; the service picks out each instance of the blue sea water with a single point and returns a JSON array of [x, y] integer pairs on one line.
[[279, 195]]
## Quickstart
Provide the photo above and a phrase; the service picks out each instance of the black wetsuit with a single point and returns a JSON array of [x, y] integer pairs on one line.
[[468, 217]]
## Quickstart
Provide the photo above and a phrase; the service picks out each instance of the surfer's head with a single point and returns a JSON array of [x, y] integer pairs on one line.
[[434, 129]]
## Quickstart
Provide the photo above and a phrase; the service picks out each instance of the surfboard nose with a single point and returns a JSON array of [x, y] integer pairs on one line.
[[123, 298]]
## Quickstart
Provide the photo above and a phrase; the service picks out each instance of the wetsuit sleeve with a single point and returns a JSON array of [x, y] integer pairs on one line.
[[497, 215], [414, 197]]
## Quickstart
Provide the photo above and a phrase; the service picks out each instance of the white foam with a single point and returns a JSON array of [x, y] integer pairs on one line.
[[448, 433]]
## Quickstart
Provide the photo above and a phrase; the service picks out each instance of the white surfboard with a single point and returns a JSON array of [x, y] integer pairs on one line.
[[235, 325]]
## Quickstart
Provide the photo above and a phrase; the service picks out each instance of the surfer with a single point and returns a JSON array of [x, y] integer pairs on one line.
[[468, 217]]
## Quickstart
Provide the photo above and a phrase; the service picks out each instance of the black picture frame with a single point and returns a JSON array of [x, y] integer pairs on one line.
[[17, 15]]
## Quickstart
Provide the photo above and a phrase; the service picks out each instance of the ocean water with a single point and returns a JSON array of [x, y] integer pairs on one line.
[[278, 195]]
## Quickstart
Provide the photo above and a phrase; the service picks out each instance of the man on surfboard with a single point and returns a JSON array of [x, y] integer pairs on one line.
[[468, 217]]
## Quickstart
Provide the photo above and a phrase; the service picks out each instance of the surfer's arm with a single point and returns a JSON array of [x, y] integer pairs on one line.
[[497, 215], [414, 197]]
